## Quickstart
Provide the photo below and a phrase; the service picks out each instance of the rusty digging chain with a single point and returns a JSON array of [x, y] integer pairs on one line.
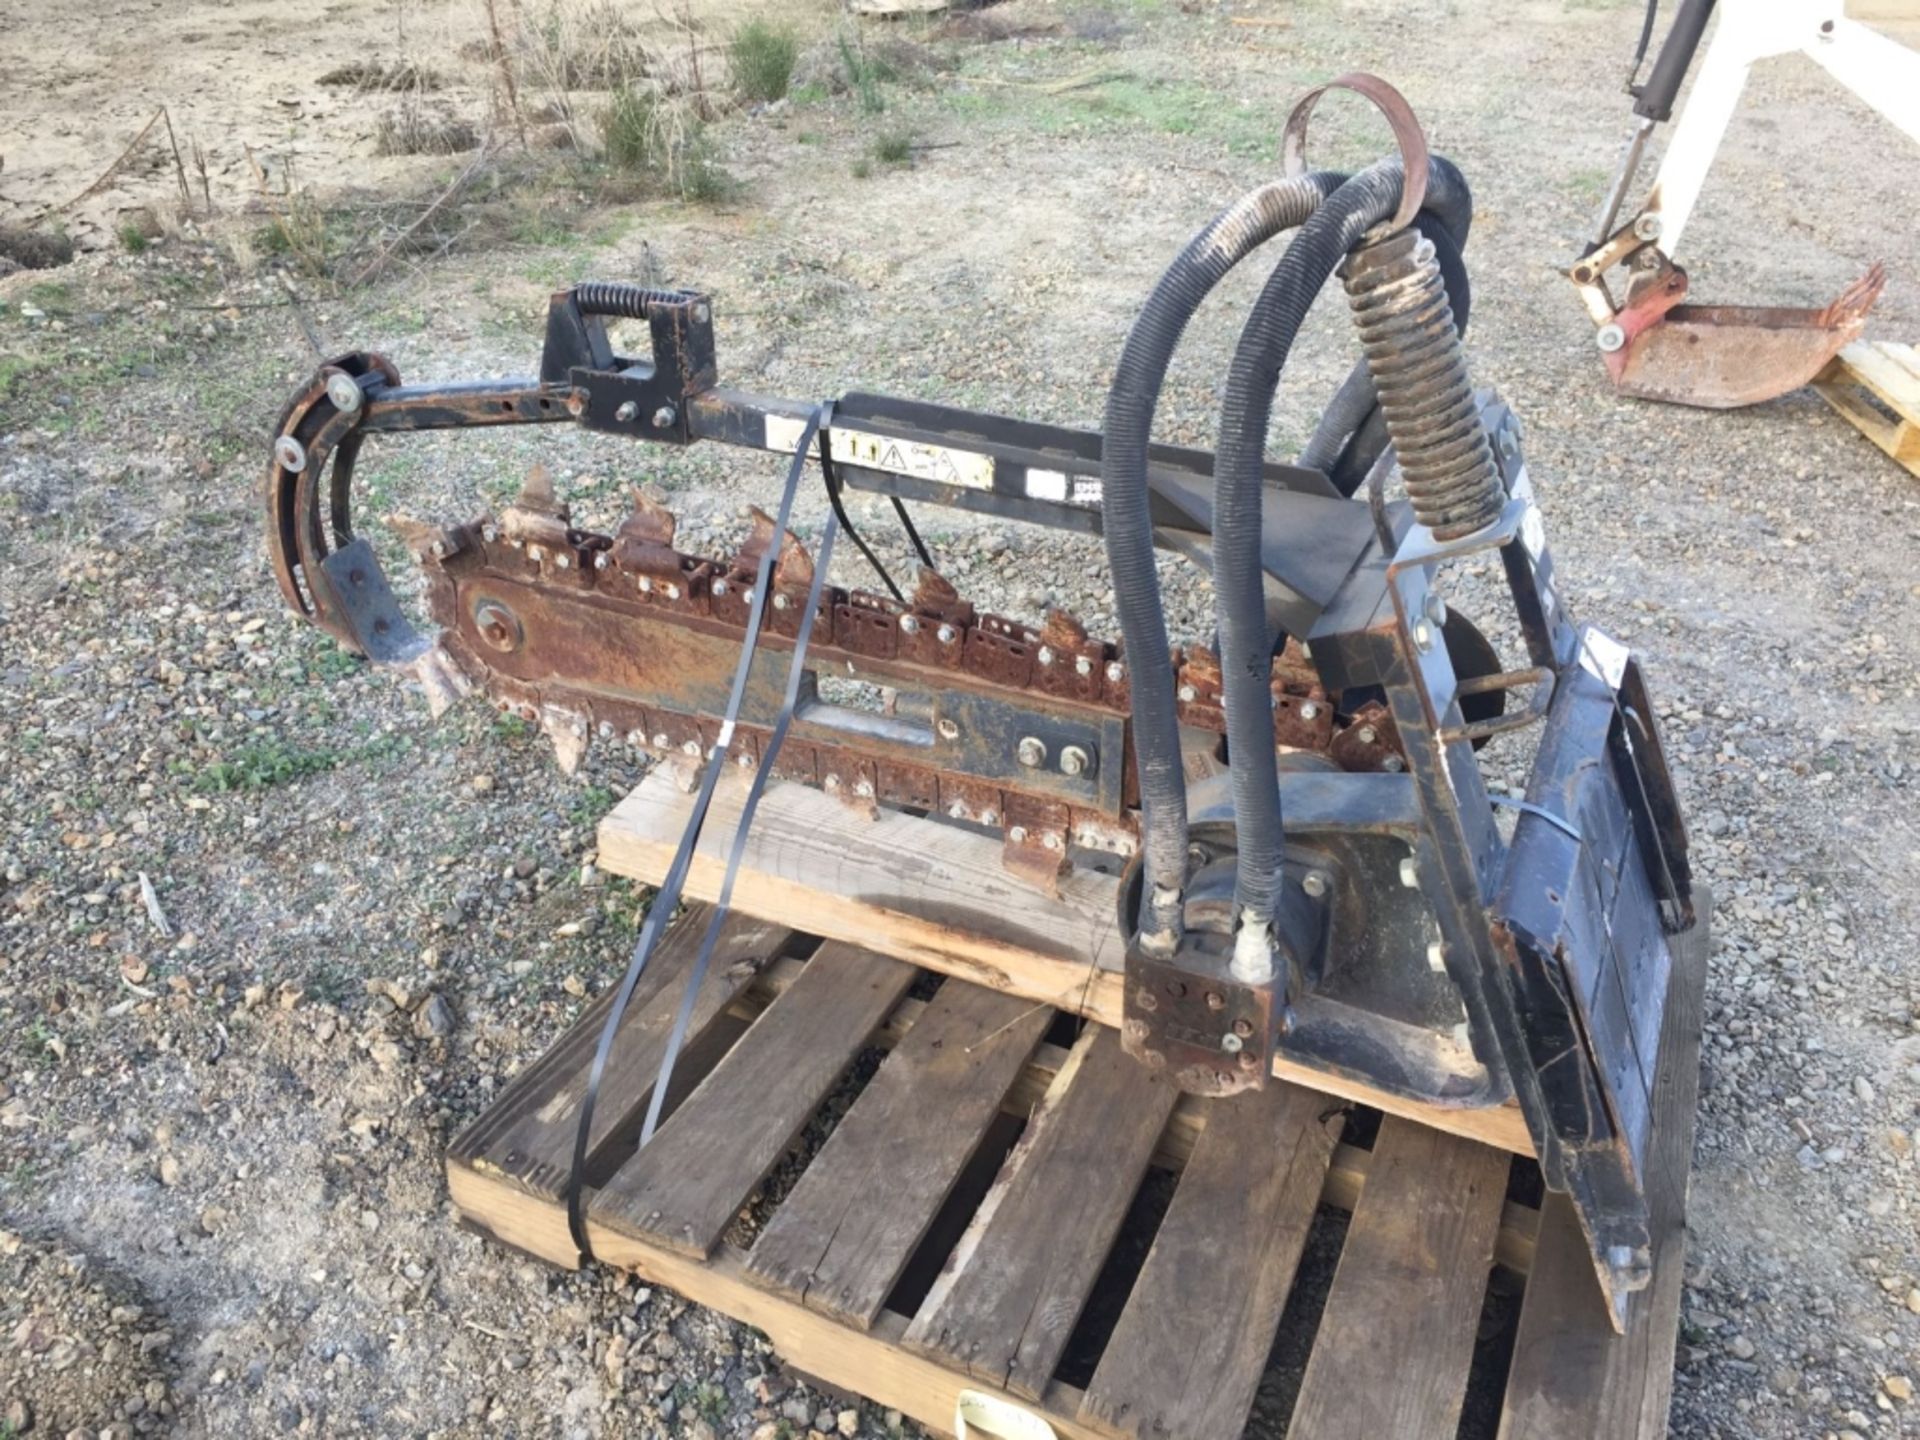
[[936, 637]]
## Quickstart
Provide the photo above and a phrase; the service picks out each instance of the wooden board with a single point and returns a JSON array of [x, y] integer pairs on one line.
[[1408, 1291], [1387, 1343], [528, 1133], [1219, 1273], [1876, 386], [1571, 1376], [684, 1188], [1004, 1306], [847, 1230], [937, 896]]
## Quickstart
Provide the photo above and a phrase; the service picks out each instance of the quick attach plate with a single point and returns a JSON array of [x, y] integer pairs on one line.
[[1190, 1019]]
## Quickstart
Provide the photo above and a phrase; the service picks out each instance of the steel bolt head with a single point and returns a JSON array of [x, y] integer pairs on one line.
[[1610, 338], [989, 816], [1116, 672], [673, 592], [863, 788], [1146, 1000], [944, 634], [1393, 764], [1031, 751], [949, 729], [664, 417], [1436, 608], [600, 561], [719, 587], [832, 782], [1018, 834], [1314, 882], [290, 454], [1050, 840], [1215, 1000], [1423, 633], [1648, 226], [910, 624], [1232, 1043], [1083, 666], [1187, 693], [1074, 760], [1368, 734], [489, 534], [1045, 657], [627, 412], [958, 810], [344, 392], [562, 562], [779, 602], [1309, 710]]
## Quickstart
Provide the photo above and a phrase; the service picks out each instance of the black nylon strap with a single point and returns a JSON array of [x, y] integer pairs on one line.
[[667, 897]]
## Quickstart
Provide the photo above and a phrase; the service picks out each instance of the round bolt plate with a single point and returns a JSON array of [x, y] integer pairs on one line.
[[1610, 338], [291, 454], [1031, 751], [344, 392], [498, 626]]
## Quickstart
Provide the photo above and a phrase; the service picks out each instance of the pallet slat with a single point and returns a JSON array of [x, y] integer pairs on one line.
[[527, 1135], [937, 896], [1218, 1274], [684, 1188], [1572, 1378], [1397, 1334], [841, 1239], [1005, 1304]]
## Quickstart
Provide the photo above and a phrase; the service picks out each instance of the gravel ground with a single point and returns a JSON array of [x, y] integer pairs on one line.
[[221, 1204]]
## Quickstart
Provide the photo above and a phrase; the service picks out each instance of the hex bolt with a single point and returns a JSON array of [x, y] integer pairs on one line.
[[1074, 760], [1045, 657], [944, 634], [1187, 694], [600, 561], [1082, 666], [673, 591], [489, 534], [344, 392], [1393, 764], [664, 417], [910, 624], [958, 810], [719, 587], [1147, 1000], [779, 602], [949, 729], [863, 788], [1116, 672], [1031, 751], [691, 747], [743, 760], [1610, 338], [832, 782], [1409, 873], [1314, 882], [636, 739], [660, 741], [1243, 1027], [1232, 1043], [1050, 840], [563, 562], [291, 454], [1018, 834], [1436, 608], [989, 816], [645, 582], [1215, 1000], [1309, 710], [627, 412], [1368, 734], [1648, 226]]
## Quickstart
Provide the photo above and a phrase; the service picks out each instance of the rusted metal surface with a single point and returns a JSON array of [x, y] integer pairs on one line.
[[627, 639], [1720, 357]]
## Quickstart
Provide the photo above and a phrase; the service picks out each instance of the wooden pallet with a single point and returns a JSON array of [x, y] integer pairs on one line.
[[977, 1219], [1876, 385]]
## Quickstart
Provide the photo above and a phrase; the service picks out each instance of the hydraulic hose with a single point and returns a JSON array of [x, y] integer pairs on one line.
[[1246, 651], [1128, 521]]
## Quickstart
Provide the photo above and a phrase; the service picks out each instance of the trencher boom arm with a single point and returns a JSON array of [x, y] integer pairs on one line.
[[1410, 935]]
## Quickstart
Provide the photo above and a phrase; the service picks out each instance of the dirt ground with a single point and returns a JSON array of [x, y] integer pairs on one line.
[[221, 1203]]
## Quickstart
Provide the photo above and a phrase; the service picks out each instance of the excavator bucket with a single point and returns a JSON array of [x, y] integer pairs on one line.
[[1720, 357]]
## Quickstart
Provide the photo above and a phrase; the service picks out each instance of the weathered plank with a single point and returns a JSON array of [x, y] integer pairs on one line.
[[1397, 1334], [685, 1187], [938, 897], [840, 1240], [1571, 1376], [1188, 1353], [1006, 1301], [527, 1135]]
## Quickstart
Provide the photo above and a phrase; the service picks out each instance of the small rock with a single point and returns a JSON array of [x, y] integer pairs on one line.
[[1898, 1386], [1740, 1348], [847, 1422], [169, 1170], [19, 1419], [483, 784], [1863, 1089], [1913, 1300], [433, 1018]]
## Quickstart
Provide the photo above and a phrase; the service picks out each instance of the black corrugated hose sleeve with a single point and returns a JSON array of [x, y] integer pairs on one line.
[[1128, 523], [1246, 647]]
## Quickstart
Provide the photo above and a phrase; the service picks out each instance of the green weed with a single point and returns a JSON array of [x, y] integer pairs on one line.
[[893, 147], [762, 57]]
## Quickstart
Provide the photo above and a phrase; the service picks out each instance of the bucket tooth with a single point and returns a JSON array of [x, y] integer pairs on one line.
[[1063, 630], [649, 522], [793, 569], [537, 495], [441, 678]]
